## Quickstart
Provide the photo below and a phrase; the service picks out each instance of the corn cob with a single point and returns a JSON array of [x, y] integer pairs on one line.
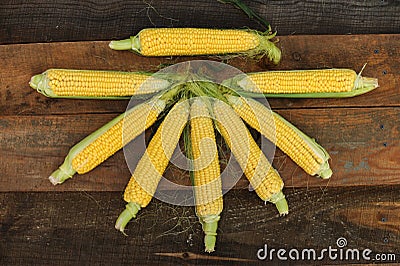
[[70, 83], [107, 140], [206, 172], [148, 172], [194, 41], [324, 83], [303, 150], [262, 176]]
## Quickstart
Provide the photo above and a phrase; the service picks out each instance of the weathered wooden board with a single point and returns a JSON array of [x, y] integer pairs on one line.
[[74, 223], [364, 145], [78, 228], [72, 20], [20, 62]]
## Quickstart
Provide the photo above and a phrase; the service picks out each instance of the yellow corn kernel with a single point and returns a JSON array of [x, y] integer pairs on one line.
[[93, 84], [192, 41], [207, 181], [301, 149], [262, 176], [127, 128], [151, 166], [300, 81]]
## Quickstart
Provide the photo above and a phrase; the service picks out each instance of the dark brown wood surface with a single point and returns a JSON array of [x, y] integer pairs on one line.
[[73, 223], [73, 20]]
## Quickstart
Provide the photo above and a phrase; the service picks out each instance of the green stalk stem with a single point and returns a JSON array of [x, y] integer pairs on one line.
[[133, 43], [280, 203], [210, 226], [131, 209]]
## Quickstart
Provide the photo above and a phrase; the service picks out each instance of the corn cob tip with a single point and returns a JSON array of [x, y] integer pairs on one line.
[[40, 82], [35, 80], [131, 209], [325, 172], [53, 180], [210, 226], [280, 203], [266, 47], [366, 83], [60, 175]]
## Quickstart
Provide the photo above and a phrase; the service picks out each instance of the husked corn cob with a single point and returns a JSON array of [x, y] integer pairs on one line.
[[207, 181], [148, 172], [70, 83], [303, 150], [107, 140], [262, 176], [195, 41], [307, 83]]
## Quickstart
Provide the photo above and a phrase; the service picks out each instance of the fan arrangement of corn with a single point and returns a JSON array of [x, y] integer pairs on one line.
[[189, 107]]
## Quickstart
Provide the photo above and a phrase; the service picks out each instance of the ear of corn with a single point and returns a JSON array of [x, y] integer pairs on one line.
[[196, 41], [87, 84], [148, 172], [206, 171], [107, 140], [262, 176], [324, 83], [303, 150]]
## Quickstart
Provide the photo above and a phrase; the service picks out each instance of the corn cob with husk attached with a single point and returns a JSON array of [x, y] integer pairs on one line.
[[87, 84], [262, 176], [196, 41], [104, 142], [303, 150], [206, 171], [148, 172], [323, 83]]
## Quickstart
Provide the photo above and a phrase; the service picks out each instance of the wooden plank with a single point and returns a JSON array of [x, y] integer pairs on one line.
[[48, 21], [381, 52], [363, 144], [78, 228]]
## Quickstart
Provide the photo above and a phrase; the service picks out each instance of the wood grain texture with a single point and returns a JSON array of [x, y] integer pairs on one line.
[[363, 144], [20, 62], [78, 228], [54, 21], [73, 224]]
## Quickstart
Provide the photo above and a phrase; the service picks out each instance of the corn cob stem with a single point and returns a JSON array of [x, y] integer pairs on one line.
[[191, 41], [209, 225], [131, 209]]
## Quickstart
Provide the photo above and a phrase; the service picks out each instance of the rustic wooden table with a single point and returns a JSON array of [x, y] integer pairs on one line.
[[74, 223]]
